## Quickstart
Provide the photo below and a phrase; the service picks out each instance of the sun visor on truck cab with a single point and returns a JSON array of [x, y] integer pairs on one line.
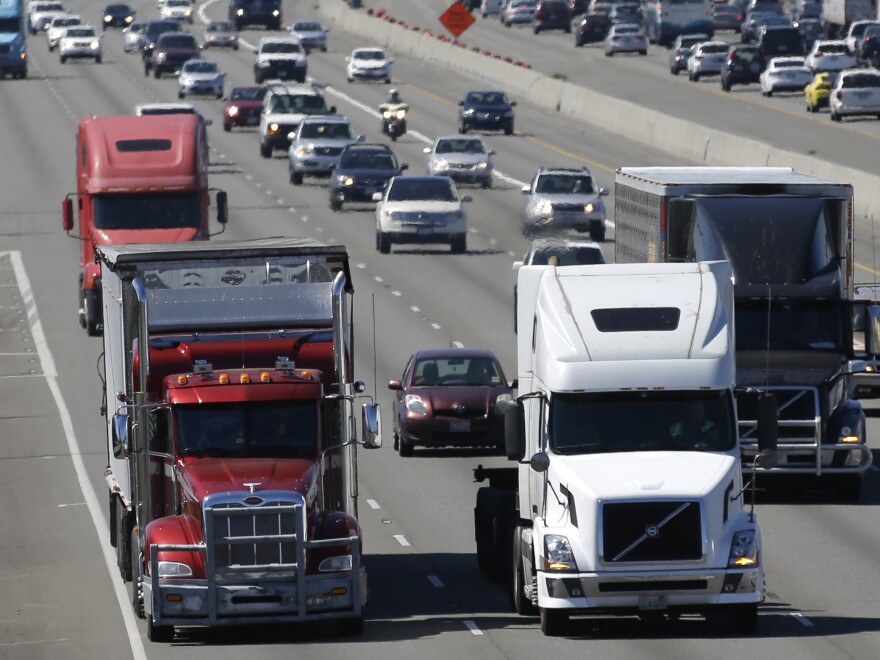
[[807, 235]]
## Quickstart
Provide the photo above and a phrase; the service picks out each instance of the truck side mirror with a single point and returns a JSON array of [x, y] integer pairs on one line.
[[222, 208], [680, 215], [120, 436], [67, 214], [872, 329], [514, 431], [371, 426], [768, 430]]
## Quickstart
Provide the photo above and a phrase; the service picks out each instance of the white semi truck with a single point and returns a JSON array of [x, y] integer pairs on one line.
[[628, 497]]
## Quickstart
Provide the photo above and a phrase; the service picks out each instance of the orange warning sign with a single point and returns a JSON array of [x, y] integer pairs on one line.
[[456, 19]]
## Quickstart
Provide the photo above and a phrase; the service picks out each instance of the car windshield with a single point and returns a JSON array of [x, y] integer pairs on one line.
[[80, 32], [369, 55], [465, 146], [689, 43], [568, 256], [281, 47], [329, 131], [872, 31], [452, 372], [605, 422], [861, 81], [771, 21], [147, 211], [177, 3], [50, 6], [155, 29], [565, 184], [287, 429], [726, 9], [248, 94], [627, 29], [359, 159], [435, 190], [201, 67], [179, 41], [307, 27], [310, 104], [222, 26], [486, 98], [118, 9]]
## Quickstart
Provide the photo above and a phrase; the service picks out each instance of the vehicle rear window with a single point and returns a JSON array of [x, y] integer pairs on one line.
[[714, 49], [861, 80], [356, 159], [127, 146], [782, 41], [636, 319], [582, 256], [828, 49], [179, 41]]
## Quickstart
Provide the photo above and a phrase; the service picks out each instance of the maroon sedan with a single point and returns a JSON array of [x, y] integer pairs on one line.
[[242, 106], [447, 398]]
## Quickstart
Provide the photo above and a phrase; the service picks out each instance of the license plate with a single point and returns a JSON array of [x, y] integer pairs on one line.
[[462, 426], [653, 602], [252, 121], [318, 601]]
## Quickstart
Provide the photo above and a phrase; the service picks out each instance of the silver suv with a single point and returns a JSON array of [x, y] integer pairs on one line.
[[564, 198], [316, 145], [284, 107]]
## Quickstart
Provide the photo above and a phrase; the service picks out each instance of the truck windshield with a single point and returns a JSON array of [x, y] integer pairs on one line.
[[8, 25], [794, 325], [256, 429], [148, 211], [604, 422]]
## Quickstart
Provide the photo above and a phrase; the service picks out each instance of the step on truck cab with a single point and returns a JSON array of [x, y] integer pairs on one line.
[[231, 443], [13, 42], [138, 180], [790, 240], [628, 496]]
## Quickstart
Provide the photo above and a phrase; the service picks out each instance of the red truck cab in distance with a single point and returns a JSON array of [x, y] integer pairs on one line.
[[138, 180]]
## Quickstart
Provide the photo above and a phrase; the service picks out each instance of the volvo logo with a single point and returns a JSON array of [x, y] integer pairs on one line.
[[652, 531], [233, 277]]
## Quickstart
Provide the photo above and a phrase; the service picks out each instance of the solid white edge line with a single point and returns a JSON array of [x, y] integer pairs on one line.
[[400, 538], [804, 621], [95, 510], [473, 628], [437, 582]]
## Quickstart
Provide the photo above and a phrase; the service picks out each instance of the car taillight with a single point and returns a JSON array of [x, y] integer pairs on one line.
[[739, 17], [869, 40], [677, 52], [698, 57], [839, 95]]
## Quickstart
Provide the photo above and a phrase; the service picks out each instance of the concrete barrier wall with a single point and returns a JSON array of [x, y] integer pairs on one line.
[[679, 138]]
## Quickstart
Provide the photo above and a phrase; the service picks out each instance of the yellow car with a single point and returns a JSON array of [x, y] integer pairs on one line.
[[818, 91]]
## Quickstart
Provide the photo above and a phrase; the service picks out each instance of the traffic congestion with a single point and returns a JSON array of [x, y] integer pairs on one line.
[[331, 163]]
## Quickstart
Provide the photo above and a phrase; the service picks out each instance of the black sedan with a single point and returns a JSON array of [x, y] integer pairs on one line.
[[591, 29], [363, 169], [486, 110], [118, 15], [447, 397]]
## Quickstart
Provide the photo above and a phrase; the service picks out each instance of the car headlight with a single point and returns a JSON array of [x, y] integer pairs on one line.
[[95, 45], [333, 564], [273, 128], [343, 180], [174, 569], [263, 63], [232, 110], [544, 208], [129, 19], [441, 164], [239, 12], [482, 166], [557, 554], [744, 549], [469, 111], [160, 57], [275, 12], [107, 19], [304, 150], [589, 207], [414, 404], [187, 12]]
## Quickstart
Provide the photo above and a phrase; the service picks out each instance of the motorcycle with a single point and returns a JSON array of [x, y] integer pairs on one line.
[[394, 119]]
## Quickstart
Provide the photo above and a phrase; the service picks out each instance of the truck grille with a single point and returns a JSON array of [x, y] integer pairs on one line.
[[652, 532], [798, 410], [260, 535]]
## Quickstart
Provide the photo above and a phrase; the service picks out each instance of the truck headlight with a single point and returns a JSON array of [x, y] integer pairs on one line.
[[557, 554], [415, 405], [441, 164], [545, 208], [303, 151], [333, 564], [847, 436], [744, 549], [232, 111], [482, 166], [95, 45], [273, 129], [174, 569], [344, 180], [589, 208]]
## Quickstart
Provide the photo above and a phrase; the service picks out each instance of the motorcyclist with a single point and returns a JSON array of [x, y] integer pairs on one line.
[[393, 99]]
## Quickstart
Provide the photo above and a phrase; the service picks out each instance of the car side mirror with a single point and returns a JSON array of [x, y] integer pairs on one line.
[[395, 385], [404, 166], [525, 190], [461, 103], [332, 109], [361, 138], [391, 61], [467, 198], [517, 265], [492, 152], [512, 103], [603, 192], [291, 135], [426, 150], [377, 197]]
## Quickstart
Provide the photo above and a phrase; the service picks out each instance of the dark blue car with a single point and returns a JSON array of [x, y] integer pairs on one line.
[[363, 169], [488, 110]]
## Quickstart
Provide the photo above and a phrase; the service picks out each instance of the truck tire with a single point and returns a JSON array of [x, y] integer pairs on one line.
[[159, 634], [743, 618], [92, 313], [137, 576], [554, 622], [120, 535], [847, 488], [493, 532], [522, 604]]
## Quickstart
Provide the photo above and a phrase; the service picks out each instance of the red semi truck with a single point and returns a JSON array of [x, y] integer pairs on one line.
[[138, 180], [231, 425]]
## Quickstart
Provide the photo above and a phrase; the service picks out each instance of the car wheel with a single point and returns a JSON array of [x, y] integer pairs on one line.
[[577, 42], [536, 30], [673, 70], [463, 128], [725, 86], [459, 244], [350, 79], [63, 59], [296, 178], [835, 116], [643, 52], [508, 130], [335, 203], [227, 127], [487, 183], [383, 242], [568, 29], [597, 233], [258, 78], [769, 92], [405, 450], [235, 47], [265, 151], [696, 76], [387, 81], [51, 48], [157, 73], [98, 59], [180, 94]]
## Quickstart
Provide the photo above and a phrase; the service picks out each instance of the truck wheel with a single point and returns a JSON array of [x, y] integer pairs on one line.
[[120, 536], [92, 313], [522, 604], [493, 530], [159, 634], [554, 622], [743, 618]]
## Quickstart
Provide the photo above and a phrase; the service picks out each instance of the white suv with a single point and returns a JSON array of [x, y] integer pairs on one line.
[[80, 41], [284, 107], [283, 58]]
